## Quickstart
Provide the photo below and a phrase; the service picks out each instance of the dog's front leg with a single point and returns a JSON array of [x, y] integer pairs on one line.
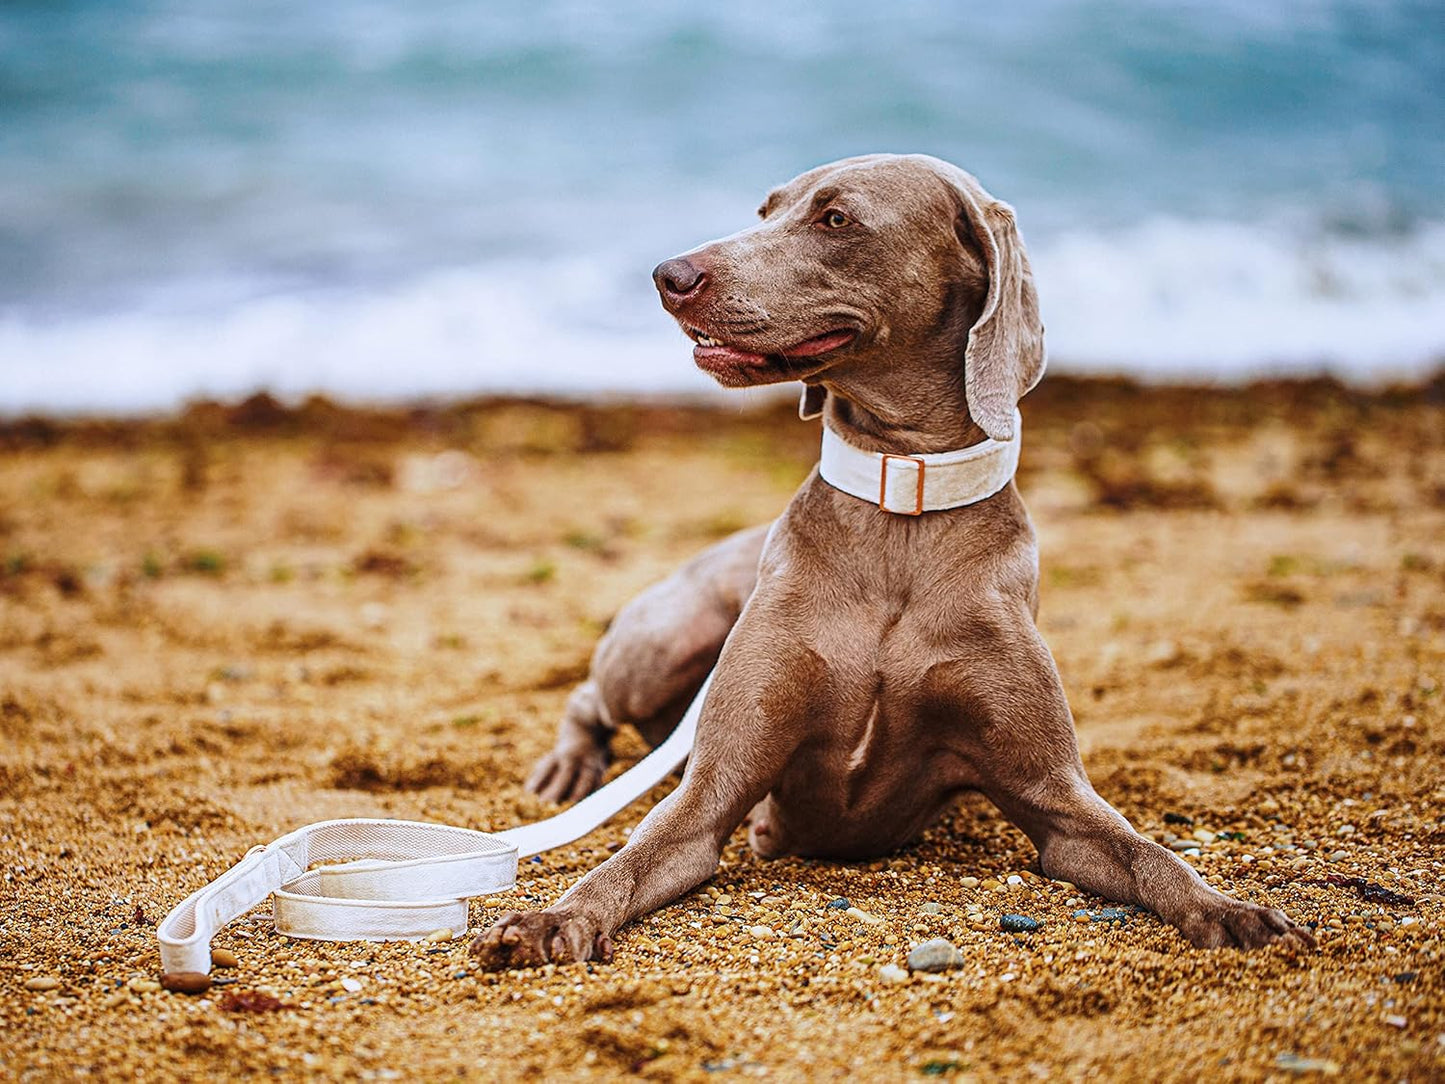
[[1028, 762], [752, 722]]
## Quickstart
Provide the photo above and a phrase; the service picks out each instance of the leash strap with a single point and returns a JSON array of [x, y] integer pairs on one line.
[[361, 879]]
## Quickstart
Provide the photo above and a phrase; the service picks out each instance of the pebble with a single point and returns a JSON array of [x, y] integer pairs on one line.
[[935, 955], [41, 983], [1339, 856], [1184, 845], [931, 908], [184, 982], [969, 882], [350, 985], [1107, 914], [840, 904], [892, 974], [1019, 924], [444, 934], [1293, 1063], [224, 958], [863, 916], [762, 933]]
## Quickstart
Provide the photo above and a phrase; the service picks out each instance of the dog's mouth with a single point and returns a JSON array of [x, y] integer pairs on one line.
[[733, 364]]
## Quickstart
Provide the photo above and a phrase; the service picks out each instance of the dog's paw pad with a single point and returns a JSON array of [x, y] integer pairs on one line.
[[1236, 924], [534, 938]]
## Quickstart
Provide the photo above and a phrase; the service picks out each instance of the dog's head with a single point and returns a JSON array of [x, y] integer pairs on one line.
[[858, 263]]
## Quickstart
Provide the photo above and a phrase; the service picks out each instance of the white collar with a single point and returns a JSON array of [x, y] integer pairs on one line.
[[909, 485]]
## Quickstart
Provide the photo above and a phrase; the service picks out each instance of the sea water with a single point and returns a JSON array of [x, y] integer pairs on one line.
[[378, 199]]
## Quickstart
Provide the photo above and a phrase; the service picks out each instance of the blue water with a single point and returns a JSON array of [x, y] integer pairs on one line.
[[387, 199]]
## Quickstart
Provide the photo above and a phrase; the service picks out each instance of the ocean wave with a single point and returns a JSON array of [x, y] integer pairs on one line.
[[1167, 299]]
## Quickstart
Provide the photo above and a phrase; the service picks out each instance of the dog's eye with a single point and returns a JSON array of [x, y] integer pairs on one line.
[[835, 219]]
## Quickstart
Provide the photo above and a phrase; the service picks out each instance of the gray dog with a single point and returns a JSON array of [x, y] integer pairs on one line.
[[874, 659]]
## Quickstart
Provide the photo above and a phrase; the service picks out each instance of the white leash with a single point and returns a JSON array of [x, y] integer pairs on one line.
[[382, 880]]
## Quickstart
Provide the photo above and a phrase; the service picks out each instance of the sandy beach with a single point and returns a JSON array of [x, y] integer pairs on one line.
[[217, 626]]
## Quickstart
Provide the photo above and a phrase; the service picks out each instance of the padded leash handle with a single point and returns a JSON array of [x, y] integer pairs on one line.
[[360, 879]]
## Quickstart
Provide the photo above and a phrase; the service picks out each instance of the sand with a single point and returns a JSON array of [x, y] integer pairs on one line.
[[219, 626]]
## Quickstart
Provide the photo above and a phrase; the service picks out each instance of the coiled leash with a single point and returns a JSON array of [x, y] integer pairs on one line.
[[362, 879]]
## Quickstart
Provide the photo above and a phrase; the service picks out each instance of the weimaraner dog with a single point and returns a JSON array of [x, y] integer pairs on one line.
[[871, 666]]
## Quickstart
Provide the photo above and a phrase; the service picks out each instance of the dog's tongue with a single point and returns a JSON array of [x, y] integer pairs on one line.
[[819, 344]]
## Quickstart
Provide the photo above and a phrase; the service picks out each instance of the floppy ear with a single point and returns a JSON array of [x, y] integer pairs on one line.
[[1005, 353]]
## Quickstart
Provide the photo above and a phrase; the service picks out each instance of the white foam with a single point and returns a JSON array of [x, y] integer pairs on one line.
[[1165, 300], [1225, 301]]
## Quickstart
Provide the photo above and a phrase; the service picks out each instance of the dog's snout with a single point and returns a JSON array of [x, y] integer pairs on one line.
[[677, 278]]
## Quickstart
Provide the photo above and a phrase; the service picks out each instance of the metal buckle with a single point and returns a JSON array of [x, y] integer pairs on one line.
[[883, 484]]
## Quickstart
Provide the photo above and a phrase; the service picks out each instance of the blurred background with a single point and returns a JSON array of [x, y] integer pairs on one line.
[[380, 200]]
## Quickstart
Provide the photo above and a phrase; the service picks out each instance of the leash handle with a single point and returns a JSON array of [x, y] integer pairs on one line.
[[362, 879]]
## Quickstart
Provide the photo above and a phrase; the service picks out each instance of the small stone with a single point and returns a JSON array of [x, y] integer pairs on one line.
[[1019, 924], [969, 882], [1110, 914], [989, 885], [1163, 654], [935, 955], [892, 974], [183, 982], [1184, 845], [224, 958], [863, 916], [1394, 1020], [931, 908], [762, 933], [42, 983], [1293, 1063], [1339, 856], [1014, 879], [840, 904], [1204, 835], [444, 934], [350, 985]]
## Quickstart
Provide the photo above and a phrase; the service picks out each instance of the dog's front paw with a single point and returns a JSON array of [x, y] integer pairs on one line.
[[568, 774], [534, 938], [1226, 923]]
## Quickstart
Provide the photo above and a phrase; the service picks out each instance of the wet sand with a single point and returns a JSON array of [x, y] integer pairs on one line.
[[218, 626]]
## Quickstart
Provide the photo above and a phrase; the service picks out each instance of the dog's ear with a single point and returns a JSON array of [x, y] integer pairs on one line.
[[1005, 353]]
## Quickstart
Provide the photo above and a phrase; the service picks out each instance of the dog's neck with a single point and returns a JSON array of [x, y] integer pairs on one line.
[[922, 411]]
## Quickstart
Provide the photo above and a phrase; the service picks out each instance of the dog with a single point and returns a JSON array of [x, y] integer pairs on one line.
[[874, 659]]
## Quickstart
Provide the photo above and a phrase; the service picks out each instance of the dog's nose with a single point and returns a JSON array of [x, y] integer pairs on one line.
[[677, 278]]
